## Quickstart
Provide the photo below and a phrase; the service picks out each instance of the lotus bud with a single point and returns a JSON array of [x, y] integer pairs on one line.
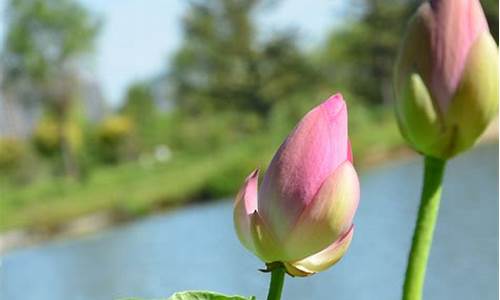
[[301, 215], [446, 78]]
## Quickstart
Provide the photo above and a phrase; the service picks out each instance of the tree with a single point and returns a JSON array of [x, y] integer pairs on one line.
[[45, 40], [216, 63], [140, 107], [360, 55], [139, 102], [221, 65]]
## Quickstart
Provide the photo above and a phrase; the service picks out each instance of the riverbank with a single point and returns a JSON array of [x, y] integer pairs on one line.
[[120, 194], [40, 230]]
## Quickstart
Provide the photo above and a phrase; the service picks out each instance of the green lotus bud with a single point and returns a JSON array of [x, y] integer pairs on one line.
[[446, 78]]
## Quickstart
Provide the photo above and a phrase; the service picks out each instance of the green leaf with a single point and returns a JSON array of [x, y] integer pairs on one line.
[[203, 295]]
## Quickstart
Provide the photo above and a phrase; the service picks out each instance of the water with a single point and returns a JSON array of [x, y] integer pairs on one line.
[[196, 248]]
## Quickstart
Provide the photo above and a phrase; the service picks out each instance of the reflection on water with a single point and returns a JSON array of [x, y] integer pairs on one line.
[[197, 249]]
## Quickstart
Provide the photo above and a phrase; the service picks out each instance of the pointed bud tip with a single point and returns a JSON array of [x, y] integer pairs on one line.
[[333, 105]]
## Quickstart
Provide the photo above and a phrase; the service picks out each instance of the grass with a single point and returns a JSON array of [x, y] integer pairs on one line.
[[130, 189], [133, 189]]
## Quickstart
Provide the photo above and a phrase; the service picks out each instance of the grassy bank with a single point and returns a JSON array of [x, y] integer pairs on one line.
[[138, 188], [130, 189]]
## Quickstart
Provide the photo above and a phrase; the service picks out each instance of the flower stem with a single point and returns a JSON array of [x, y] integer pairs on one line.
[[424, 229], [276, 285]]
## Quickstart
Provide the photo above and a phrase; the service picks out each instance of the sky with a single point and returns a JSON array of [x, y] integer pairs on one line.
[[138, 36]]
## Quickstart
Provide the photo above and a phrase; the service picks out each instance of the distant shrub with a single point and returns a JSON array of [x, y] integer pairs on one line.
[[234, 167], [208, 132], [115, 139], [225, 182], [12, 153], [47, 138], [17, 165]]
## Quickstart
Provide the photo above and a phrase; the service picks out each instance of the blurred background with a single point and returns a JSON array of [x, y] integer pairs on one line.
[[118, 110]]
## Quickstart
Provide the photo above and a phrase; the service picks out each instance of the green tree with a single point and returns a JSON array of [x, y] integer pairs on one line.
[[222, 65], [140, 107], [216, 63], [360, 54], [44, 41], [139, 101]]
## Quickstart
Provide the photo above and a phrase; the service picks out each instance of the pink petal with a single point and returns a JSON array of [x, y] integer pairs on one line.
[[314, 149], [244, 206], [454, 25], [349, 152], [327, 216]]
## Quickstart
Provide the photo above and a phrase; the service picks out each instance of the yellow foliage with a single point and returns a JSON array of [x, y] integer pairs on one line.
[[12, 153], [115, 129], [47, 136]]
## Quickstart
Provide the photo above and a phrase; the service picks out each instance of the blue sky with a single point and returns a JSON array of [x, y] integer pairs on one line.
[[138, 37]]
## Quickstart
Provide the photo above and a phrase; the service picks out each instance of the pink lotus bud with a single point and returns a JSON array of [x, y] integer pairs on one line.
[[302, 213], [446, 79]]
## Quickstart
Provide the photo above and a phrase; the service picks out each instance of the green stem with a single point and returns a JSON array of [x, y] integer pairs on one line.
[[424, 229], [276, 285]]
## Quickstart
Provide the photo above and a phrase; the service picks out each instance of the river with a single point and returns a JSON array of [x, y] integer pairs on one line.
[[196, 248]]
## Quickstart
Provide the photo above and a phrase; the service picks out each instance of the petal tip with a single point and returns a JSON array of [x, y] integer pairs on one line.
[[248, 192], [334, 104], [255, 174]]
